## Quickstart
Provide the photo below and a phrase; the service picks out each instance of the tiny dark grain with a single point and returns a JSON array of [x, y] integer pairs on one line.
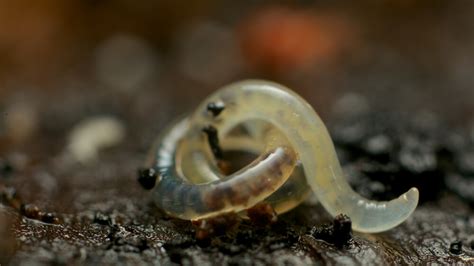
[[6, 169], [238, 195], [338, 233], [147, 178], [456, 247], [262, 214], [102, 219], [49, 218]]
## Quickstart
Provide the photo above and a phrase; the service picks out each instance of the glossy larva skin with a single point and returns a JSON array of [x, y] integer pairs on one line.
[[191, 187], [177, 196]]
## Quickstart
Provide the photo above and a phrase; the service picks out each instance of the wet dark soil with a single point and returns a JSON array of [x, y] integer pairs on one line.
[[99, 213]]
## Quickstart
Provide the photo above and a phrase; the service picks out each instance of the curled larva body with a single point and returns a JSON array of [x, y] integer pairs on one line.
[[300, 137], [177, 196], [199, 168]]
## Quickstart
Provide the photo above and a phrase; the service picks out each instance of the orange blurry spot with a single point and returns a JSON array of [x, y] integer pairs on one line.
[[278, 39]]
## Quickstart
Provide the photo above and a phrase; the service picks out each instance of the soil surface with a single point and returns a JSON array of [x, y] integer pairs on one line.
[[97, 213]]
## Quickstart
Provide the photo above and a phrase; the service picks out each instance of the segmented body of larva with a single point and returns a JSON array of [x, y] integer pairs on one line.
[[296, 155]]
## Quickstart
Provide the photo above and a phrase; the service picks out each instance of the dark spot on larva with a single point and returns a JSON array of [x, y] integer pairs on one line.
[[236, 195], [275, 171], [456, 247], [227, 193], [213, 140], [215, 108], [259, 184], [147, 178], [214, 199]]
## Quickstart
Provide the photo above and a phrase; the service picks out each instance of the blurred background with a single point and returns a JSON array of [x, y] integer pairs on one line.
[[414, 54], [137, 65], [86, 85]]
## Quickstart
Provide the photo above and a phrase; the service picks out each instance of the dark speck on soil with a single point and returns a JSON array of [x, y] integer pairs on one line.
[[6, 169], [262, 214], [49, 218], [338, 233], [456, 247], [102, 219], [216, 226]]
